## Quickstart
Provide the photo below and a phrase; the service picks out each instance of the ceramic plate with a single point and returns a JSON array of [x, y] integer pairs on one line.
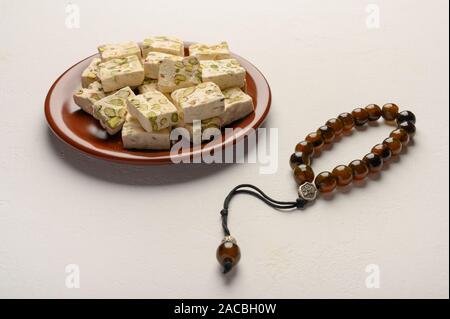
[[83, 132]]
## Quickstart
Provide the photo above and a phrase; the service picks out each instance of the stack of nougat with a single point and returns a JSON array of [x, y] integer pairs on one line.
[[143, 91]]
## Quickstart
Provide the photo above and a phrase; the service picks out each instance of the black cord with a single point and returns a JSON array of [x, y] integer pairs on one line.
[[256, 192]]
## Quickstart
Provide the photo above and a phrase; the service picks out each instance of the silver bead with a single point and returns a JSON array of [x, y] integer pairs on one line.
[[307, 191], [229, 239]]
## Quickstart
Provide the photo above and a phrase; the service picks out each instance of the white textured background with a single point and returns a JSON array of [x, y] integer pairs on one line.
[[153, 231]]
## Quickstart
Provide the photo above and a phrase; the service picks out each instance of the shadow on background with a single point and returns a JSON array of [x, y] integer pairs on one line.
[[128, 174]]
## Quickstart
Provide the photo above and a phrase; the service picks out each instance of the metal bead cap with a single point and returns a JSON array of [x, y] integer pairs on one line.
[[229, 239], [307, 191]]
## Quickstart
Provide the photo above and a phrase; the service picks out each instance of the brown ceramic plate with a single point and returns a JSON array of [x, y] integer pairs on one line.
[[83, 132]]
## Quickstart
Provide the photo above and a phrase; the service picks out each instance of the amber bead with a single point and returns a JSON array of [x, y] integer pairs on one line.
[[404, 116], [394, 145], [298, 158], [401, 135], [305, 147], [383, 151], [347, 121], [228, 255], [361, 116], [327, 134], [303, 173], [316, 140], [325, 182], [374, 162], [409, 127], [359, 169], [374, 112], [389, 111], [336, 125], [343, 174]]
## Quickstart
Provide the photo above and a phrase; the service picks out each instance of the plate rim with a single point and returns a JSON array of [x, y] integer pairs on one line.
[[95, 152]]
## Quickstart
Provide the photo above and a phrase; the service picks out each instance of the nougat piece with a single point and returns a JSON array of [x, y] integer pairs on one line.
[[119, 50], [112, 109], [210, 52], [151, 85], [118, 73], [225, 73], [201, 102], [164, 44], [148, 85], [89, 75], [175, 75], [196, 129], [96, 85], [245, 87], [86, 97], [135, 137], [153, 110], [237, 105], [152, 62], [214, 122]]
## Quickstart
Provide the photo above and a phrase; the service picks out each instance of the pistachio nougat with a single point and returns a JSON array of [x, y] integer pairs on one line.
[[112, 109], [175, 75], [86, 97], [164, 44], [135, 137], [237, 105], [210, 52], [120, 50], [148, 85], [153, 110], [196, 128], [153, 60], [214, 122], [151, 85], [118, 73], [201, 102], [225, 73], [89, 75]]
